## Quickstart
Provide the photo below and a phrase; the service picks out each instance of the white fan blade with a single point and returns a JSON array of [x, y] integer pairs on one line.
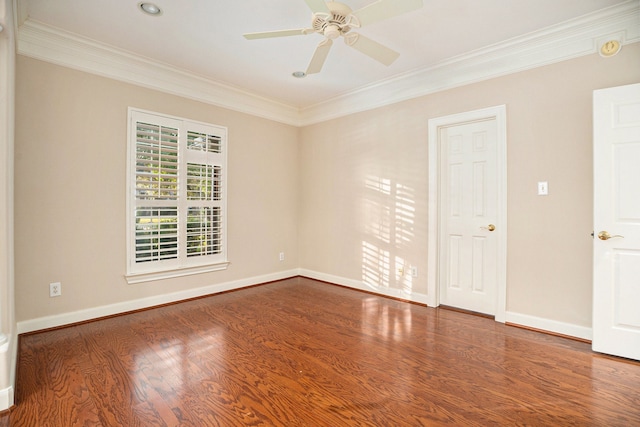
[[384, 9], [317, 6], [279, 33], [371, 48], [319, 56]]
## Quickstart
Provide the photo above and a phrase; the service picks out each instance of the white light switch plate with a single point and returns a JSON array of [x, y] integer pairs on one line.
[[543, 188]]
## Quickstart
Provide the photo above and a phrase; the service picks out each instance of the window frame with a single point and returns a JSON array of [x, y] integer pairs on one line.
[[183, 264]]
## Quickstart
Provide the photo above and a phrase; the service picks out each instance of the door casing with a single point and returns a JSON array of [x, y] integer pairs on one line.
[[499, 114]]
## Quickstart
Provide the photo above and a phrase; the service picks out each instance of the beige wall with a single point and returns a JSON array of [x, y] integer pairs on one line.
[[351, 230], [341, 198], [71, 150]]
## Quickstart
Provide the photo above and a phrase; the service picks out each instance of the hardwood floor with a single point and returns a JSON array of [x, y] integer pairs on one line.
[[303, 353]]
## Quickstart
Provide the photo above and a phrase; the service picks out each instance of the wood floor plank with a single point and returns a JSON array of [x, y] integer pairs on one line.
[[303, 353]]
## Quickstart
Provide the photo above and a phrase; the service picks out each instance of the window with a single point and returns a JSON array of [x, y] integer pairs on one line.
[[176, 212]]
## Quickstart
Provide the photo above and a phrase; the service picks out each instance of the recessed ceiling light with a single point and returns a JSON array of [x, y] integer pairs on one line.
[[150, 9], [299, 74]]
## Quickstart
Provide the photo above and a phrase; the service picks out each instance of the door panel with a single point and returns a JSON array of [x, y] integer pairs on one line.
[[616, 287], [468, 200], [479, 262]]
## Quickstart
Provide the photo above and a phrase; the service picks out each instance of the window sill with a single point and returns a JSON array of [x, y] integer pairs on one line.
[[172, 273]]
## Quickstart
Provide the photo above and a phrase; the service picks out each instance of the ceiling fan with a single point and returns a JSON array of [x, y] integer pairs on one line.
[[334, 19]]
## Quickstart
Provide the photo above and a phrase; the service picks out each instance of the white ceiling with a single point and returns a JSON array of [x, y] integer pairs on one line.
[[205, 37]]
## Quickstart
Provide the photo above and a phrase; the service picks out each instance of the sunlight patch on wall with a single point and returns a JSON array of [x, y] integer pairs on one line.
[[376, 266], [389, 229]]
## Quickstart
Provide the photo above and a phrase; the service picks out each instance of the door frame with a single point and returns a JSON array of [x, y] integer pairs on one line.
[[499, 114]]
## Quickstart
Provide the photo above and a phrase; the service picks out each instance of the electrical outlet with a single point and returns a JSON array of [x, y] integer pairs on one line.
[[281, 256], [55, 289]]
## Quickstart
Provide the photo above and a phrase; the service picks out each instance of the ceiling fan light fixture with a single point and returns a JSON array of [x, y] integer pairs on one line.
[[150, 9], [332, 31], [299, 74]]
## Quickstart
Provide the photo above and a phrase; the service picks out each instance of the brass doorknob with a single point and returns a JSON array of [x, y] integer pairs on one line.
[[604, 235], [490, 227]]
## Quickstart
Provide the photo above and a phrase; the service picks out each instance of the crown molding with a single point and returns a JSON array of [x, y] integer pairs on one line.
[[50, 44], [571, 39]]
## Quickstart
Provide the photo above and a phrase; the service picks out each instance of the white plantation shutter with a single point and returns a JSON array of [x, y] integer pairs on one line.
[[156, 233], [156, 181], [204, 235], [156, 162], [176, 214]]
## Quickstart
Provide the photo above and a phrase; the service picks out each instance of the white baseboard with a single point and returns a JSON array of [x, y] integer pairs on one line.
[[554, 326], [534, 322], [123, 307], [7, 371], [6, 398], [360, 285]]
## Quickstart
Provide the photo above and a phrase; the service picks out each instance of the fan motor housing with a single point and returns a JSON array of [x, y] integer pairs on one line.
[[340, 20]]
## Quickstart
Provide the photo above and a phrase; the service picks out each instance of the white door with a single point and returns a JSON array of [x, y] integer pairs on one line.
[[616, 246], [469, 226]]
